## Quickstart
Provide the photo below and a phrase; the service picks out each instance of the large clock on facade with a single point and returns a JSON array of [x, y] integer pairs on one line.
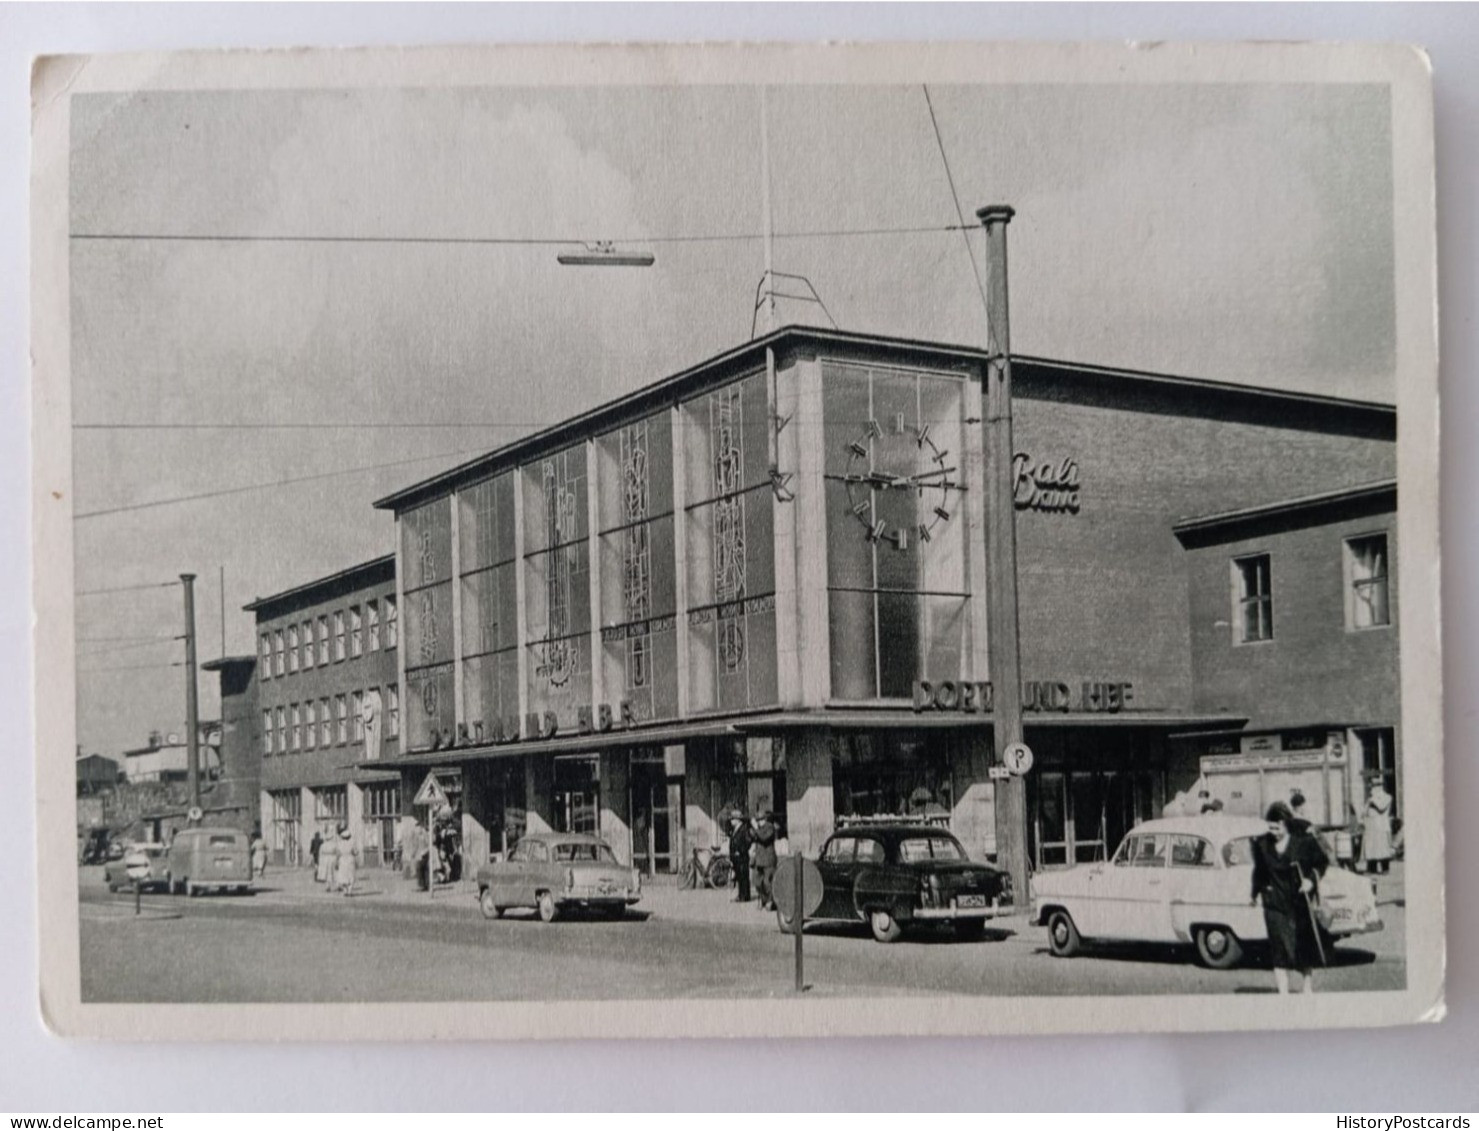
[[900, 457]]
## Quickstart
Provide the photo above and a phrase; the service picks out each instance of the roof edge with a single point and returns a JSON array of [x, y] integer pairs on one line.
[[1202, 523], [321, 582]]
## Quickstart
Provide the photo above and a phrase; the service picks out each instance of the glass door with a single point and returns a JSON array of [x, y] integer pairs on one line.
[[1050, 820]]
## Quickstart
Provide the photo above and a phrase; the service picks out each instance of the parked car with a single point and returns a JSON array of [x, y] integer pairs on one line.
[[555, 872], [1183, 880], [201, 859], [891, 875], [154, 857]]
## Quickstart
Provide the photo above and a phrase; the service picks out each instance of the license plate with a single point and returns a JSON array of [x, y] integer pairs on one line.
[[224, 861], [971, 901]]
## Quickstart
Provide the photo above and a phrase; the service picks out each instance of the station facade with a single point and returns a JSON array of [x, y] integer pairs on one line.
[[761, 583]]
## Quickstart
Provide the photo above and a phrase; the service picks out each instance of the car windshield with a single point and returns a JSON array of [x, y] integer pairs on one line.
[[574, 853], [1239, 851], [226, 841], [919, 848]]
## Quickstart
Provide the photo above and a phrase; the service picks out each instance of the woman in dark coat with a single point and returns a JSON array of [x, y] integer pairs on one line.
[[1287, 864]]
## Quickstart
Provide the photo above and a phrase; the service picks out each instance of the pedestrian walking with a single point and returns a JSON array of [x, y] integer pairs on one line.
[[314, 847], [1376, 830], [1287, 864], [347, 864], [328, 863], [259, 854], [765, 860], [740, 840]]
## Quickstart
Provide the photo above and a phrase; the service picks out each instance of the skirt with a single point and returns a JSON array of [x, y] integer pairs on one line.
[[1291, 939]]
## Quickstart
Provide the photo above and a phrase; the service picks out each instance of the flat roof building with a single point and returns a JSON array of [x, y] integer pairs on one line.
[[762, 583]]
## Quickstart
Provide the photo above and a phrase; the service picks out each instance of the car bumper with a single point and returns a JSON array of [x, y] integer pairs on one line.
[[990, 911], [598, 900]]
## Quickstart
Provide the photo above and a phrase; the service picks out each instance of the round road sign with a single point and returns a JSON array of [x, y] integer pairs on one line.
[[136, 864], [1017, 758], [791, 870], [194, 815]]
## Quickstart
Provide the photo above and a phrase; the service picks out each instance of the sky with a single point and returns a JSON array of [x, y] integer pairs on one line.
[[1235, 232]]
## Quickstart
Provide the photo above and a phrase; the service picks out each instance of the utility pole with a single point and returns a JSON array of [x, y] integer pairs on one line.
[[1004, 644], [192, 706], [223, 612]]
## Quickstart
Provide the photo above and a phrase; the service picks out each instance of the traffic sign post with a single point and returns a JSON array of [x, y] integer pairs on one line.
[[798, 886], [137, 868], [433, 796]]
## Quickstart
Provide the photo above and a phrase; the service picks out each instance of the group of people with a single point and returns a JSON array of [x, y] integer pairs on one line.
[[335, 860], [752, 852]]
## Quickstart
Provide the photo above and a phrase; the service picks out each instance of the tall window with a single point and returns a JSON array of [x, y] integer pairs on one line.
[[557, 589], [323, 639], [266, 664], [282, 730], [372, 625], [1367, 603], [339, 650], [490, 653], [325, 723], [357, 715], [638, 583], [278, 657], [356, 631], [729, 535], [292, 647], [307, 644], [310, 725], [1253, 609], [341, 711], [897, 587], [426, 559], [267, 731], [393, 711], [295, 728], [390, 622]]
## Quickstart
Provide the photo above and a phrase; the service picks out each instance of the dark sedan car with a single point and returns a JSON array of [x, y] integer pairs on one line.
[[893, 875]]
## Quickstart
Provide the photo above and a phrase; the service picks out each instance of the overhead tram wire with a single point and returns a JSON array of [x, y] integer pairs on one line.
[[126, 588], [519, 241], [132, 668], [128, 507], [964, 228]]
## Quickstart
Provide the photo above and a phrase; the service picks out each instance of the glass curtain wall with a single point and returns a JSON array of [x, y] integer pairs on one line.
[[557, 561], [896, 489], [639, 646], [486, 559], [730, 546], [426, 554]]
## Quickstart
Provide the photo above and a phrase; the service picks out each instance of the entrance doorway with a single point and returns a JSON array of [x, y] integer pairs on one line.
[[578, 794], [657, 813], [1080, 816]]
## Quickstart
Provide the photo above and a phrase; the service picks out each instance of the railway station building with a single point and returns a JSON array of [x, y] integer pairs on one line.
[[762, 583]]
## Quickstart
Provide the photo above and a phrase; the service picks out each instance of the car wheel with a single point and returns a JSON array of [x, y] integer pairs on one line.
[[489, 909], [1218, 948], [970, 930], [885, 927], [1063, 937], [548, 911]]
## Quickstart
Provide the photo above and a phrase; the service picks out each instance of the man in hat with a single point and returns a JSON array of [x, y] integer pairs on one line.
[[740, 839], [765, 860]]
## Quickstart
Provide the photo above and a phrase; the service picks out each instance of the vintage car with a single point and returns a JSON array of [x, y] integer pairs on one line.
[[140, 855], [1183, 880], [556, 872], [894, 874], [201, 859]]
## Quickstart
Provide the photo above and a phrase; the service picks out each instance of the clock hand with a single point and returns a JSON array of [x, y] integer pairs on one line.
[[923, 475]]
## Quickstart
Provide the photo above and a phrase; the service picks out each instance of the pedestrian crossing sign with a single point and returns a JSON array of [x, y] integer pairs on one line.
[[431, 793]]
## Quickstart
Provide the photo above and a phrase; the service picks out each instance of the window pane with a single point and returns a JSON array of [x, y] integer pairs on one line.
[[851, 620], [429, 626], [898, 644], [426, 543], [845, 411]]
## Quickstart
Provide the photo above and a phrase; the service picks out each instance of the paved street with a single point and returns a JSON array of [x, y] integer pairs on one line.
[[294, 942]]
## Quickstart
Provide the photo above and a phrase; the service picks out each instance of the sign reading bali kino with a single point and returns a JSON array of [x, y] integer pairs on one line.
[[1093, 697]]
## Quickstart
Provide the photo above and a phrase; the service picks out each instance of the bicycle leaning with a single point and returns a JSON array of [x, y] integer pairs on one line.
[[706, 868]]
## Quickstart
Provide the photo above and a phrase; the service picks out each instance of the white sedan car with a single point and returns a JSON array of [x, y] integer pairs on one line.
[[1183, 880]]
